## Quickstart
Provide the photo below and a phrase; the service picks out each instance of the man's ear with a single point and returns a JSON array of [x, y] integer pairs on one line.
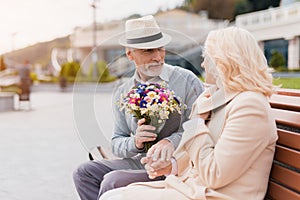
[[129, 54]]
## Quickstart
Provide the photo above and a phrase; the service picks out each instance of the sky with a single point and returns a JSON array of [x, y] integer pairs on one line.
[[26, 22]]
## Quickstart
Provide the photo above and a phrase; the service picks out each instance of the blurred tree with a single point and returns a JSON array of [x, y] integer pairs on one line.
[[228, 9], [242, 6], [277, 60], [217, 9], [2, 63], [262, 5]]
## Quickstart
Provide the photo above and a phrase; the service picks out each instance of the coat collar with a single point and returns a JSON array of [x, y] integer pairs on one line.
[[217, 98]]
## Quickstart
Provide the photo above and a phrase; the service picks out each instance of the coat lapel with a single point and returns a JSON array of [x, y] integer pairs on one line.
[[216, 105]]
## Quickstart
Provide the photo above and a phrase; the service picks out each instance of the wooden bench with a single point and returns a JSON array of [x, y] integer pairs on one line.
[[284, 182]]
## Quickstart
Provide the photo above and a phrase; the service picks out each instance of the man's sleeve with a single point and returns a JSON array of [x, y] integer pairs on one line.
[[193, 89], [122, 142]]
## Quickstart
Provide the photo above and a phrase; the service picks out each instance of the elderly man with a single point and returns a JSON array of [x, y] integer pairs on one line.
[[145, 46]]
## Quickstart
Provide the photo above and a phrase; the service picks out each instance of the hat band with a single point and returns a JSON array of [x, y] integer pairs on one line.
[[144, 39]]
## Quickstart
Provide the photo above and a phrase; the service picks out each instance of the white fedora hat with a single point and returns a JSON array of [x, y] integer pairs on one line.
[[143, 33]]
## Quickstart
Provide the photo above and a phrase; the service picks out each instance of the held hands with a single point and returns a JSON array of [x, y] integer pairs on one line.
[[156, 168], [162, 150], [144, 134], [157, 162]]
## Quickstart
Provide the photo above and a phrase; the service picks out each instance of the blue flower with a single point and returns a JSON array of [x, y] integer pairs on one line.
[[143, 104], [140, 91]]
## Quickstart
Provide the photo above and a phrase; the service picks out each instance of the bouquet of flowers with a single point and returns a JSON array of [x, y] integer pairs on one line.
[[151, 101]]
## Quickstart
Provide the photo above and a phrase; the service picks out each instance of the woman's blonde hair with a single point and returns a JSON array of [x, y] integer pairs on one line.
[[239, 62]]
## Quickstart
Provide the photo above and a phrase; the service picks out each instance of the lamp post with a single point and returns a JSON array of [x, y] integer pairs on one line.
[[94, 50], [13, 37]]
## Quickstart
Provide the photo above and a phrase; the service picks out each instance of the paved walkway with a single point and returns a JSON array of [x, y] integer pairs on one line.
[[40, 148]]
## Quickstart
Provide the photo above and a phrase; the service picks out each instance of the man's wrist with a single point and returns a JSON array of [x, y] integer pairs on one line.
[[136, 148]]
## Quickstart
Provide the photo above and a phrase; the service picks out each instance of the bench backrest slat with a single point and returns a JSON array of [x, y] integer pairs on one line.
[[288, 118], [286, 177], [285, 102], [288, 138], [287, 156], [278, 192], [288, 92]]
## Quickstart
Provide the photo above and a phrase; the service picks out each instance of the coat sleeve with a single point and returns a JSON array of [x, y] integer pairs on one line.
[[239, 145], [192, 130]]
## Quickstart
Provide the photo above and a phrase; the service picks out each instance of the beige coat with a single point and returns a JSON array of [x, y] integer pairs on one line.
[[230, 158]]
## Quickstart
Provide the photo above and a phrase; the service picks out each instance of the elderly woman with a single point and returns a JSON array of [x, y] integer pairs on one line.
[[227, 148]]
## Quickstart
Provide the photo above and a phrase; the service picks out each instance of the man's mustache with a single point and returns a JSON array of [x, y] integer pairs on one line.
[[154, 64]]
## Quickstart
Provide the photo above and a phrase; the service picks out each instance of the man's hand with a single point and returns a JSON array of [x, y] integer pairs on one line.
[[143, 134], [162, 150]]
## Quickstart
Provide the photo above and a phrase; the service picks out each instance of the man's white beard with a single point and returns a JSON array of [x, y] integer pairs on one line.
[[146, 69]]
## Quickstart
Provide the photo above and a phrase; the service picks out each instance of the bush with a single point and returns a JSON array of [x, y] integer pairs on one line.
[[69, 70], [277, 60]]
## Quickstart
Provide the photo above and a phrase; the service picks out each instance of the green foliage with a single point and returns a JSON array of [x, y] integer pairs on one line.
[[102, 71], [228, 9], [2, 64], [262, 5], [277, 60], [241, 7], [282, 69], [69, 70]]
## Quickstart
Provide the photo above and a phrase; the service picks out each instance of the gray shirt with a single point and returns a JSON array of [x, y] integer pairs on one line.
[[186, 86]]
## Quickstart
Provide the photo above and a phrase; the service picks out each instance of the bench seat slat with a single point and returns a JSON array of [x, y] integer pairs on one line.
[[287, 156], [276, 191], [286, 177], [288, 138]]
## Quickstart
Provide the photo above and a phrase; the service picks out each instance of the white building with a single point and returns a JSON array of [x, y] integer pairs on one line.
[[276, 29]]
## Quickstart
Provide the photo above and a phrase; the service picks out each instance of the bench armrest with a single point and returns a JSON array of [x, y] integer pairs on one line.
[[100, 153]]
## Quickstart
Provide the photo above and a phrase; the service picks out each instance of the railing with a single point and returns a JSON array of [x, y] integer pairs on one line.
[[270, 17]]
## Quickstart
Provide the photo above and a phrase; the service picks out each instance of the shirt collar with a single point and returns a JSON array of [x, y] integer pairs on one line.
[[164, 76]]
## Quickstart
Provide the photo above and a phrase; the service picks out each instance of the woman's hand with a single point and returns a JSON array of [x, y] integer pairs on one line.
[[205, 116]]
